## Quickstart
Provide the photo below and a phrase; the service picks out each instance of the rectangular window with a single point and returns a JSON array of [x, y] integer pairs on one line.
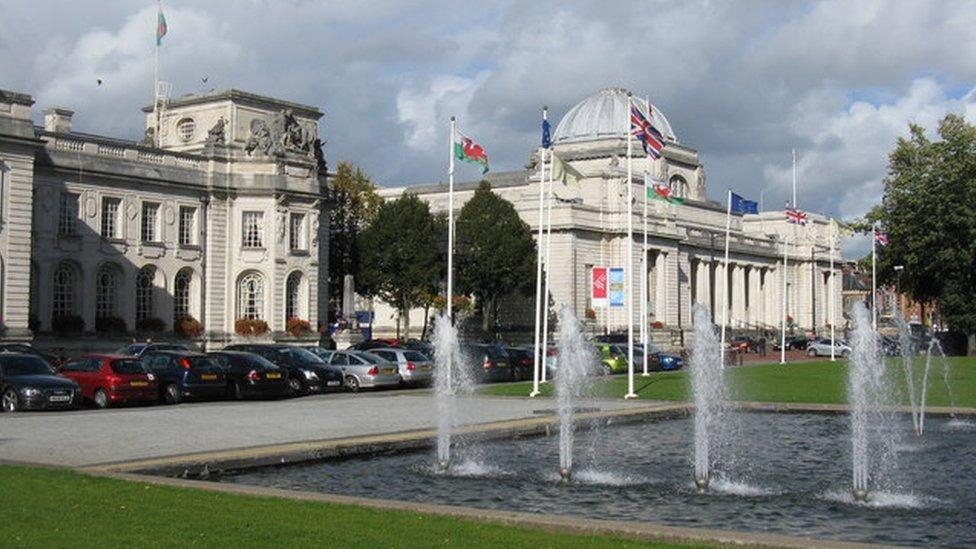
[[68, 214], [188, 226], [150, 222], [111, 226], [297, 232], [252, 226]]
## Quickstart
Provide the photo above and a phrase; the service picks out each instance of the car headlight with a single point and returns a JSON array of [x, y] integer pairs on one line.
[[31, 392], [310, 375]]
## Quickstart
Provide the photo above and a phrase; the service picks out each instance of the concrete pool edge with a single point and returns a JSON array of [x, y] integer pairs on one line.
[[544, 522]]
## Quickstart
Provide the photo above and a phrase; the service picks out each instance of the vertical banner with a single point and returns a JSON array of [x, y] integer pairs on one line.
[[616, 287], [598, 287]]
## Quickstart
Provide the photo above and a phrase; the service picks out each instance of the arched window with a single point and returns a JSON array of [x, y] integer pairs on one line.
[[65, 279], [106, 292], [679, 187], [144, 292], [250, 296], [293, 288], [181, 295]]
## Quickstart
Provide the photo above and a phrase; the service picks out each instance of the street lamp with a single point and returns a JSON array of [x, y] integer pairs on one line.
[[899, 269]]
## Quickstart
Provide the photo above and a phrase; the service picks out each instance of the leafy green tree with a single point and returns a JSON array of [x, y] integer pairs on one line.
[[496, 254], [353, 204], [401, 262], [929, 213]]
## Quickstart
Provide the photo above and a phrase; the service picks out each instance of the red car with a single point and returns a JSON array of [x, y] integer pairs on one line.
[[108, 380]]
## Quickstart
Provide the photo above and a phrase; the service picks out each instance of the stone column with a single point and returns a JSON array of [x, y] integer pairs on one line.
[[661, 303]]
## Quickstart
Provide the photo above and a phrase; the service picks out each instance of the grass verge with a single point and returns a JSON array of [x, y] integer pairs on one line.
[[62, 508]]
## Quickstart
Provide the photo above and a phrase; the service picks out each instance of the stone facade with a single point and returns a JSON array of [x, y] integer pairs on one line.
[[683, 259], [215, 215]]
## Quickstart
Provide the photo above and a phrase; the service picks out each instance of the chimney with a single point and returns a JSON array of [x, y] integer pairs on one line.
[[58, 119]]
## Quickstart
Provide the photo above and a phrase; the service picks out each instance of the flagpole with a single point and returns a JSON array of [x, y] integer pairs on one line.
[[874, 276], [725, 275], [782, 320], [794, 178], [156, 136], [630, 259], [538, 267], [546, 269], [450, 237], [644, 266], [833, 304]]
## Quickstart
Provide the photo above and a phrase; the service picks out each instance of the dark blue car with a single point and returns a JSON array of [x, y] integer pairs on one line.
[[185, 374]]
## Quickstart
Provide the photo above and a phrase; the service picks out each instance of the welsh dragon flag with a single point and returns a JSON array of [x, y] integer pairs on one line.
[[466, 150], [660, 191]]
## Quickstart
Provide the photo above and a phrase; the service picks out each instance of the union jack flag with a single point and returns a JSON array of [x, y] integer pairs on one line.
[[642, 129], [796, 217], [880, 237]]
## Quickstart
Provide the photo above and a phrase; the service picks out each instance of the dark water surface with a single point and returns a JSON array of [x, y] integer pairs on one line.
[[780, 473]]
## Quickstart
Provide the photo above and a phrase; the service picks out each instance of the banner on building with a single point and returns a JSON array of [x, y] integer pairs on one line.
[[616, 287], [598, 287]]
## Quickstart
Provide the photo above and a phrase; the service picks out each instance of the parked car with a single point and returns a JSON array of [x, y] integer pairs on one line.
[[108, 380], [521, 365], [138, 349], [415, 368], [361, 369], [251, 375], [371, 344], [489, 361], [307, 371], [54, 361], [744, 343], [27, 382], [659, 361], [185, 374], [793, 343], [612, 361], [821, 347], [425, 347]]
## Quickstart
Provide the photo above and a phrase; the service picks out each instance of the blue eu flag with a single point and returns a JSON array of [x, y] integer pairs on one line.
[[546, 140], [740, 205]]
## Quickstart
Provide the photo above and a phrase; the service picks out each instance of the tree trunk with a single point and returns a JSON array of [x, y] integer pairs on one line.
[[405, 315], [423, 333], [971, 345], [486, 315]]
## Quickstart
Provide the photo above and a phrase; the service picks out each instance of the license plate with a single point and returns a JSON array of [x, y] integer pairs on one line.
[[389, 371], [208, 377], [501, 365], [59, 398], [139, 383], [273, 376], [333, 383], [424, 368]]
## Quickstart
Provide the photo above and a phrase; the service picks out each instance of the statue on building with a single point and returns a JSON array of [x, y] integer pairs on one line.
[[149, 138], [320, 157], [261, 140], [216, 134], [283, 134]]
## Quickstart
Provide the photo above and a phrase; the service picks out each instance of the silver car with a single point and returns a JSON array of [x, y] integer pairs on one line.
[[362, 370], [415, 367], [821, 347]]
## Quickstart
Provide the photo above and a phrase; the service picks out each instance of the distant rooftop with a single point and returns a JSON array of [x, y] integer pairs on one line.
[[240, 96], [496, 179]]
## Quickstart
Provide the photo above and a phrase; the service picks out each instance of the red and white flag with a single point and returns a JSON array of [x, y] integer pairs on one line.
[[796, 216], [880, 237]]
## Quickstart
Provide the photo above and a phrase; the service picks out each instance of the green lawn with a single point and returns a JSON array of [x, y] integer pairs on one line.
[[810, 382], [61, 508]]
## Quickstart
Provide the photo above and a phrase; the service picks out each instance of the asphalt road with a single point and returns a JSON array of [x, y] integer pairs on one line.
[[90, 437]]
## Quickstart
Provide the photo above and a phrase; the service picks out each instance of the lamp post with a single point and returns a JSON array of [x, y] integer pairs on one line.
[[899, 269]]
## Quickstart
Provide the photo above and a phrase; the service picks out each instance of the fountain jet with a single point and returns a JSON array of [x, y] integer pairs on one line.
[[708, 391], [448, 379], [575, 362]]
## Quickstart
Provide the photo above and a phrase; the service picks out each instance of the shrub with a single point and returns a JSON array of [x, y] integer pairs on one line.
[[590, 313], [250, 327], [151, 325], [189, 327], [68, 324], [110, 325], [657, 325], [298, 327]]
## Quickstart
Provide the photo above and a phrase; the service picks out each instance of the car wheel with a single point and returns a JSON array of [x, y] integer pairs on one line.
[[812, 352], [11, 402], [845, 354], [238, 391], [171, 394], [352, 383], [295, 386], [101, 399]]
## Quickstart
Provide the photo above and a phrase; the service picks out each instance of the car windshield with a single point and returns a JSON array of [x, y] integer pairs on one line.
[[169, 347], [131, 349], [303, 356], [369, 357], [128, 367], [25, 366], [257, 361], [201, 363], [414, 356]]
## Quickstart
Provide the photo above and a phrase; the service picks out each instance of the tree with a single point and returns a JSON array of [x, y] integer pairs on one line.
[[929, 213], [353, 204], [401, 262], [496, 252]]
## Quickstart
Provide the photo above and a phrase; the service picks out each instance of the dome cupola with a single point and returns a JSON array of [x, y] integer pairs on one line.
[[606, 114]]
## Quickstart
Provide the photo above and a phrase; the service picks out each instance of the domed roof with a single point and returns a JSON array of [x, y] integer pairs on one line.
[[605, 114]]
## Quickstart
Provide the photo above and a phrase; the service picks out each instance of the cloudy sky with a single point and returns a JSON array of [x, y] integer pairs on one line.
[[743, 82]]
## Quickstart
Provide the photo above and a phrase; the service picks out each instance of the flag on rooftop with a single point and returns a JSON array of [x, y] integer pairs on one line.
[[546, 134], [796, 216], [739, 205], [161, 27], [562, 171], [649, 136], [657, 190], [467, 150]]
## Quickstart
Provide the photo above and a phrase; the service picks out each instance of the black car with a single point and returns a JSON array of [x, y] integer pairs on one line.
[[139, 349], [489, 361], [370, 344], [22, 348], [307, 373], [27, 382], [185, 374], [521, 365], [251, 375], [793, 343]]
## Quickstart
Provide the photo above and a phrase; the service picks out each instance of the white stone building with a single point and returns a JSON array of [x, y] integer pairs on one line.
[[683, 258], [217, 219]]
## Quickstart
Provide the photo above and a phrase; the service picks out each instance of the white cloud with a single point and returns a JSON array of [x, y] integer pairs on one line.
[[425, 110]]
